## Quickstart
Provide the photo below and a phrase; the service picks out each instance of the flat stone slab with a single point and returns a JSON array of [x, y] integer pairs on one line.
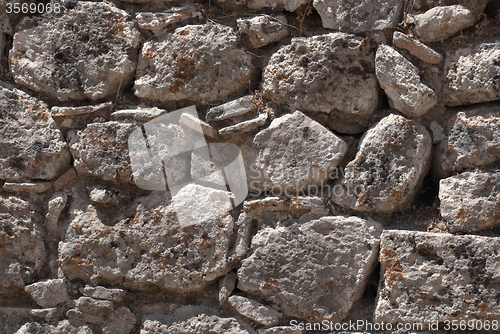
[[100, 292], [314, 270], [27, 187], [142, 114], [254, 310], [437, 277], [243, 105], [73, 111], [244, 127], [416, 48]]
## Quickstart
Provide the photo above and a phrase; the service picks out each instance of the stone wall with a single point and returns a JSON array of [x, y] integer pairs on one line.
[[367, 135]]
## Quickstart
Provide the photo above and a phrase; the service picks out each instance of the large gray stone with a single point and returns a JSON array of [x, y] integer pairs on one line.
[[48, 293], [472, 140], [390, 166], [470, 201], [332, 75], [196, 62], [431, 277], [358, 16], [295, 152], [314, 270], [31, 146], [472, 75], [401, 81], [101, 150], [85, 53]]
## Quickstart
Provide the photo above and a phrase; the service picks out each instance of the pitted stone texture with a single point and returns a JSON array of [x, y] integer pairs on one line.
[[48, 293], [332, 74], [437, 277], [63, 327], [254, 310], [314, 270], [472, 75], [264, 29], [144, 246], [100, 292], [441, 22], [356, 16], [389, 168], [194, 320], [85, 53], [158, 21], [101, 150], [31, 146], [120, 321], [243, 105], [416, 48], [22, 251], [294, 152], [472, 140], [470, 201], [196, 62], [401, 81]]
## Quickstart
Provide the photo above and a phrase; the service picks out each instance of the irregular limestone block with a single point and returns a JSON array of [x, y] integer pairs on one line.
[[101, 150], [141, 114], [254, 310], [472, 75], [401, 81], [472, 140], [389, 168], [22, 251], [77, 317], [63, 327], [194, 320], [100, 292], [314, 270], [441, 22], [263, 29], [332, 74], [120, 321], [243, 105], [226, 286], [196, 124], [416, 48], [437, 277], [83, 54], [437, 132], [244, 127], [196, 62], [28, 187], [158, 21], [358, 16], [74, 111], [294, 152], [48, 293], [31, 146], [93, 306], [470, 201]]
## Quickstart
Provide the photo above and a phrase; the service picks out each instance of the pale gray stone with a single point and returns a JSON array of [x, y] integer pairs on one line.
[[157, 22], [332, 75], [27, 187], [31, 146], [472, 75], [78, 318], [120, 321], [204, 169], [359, 15], [93, 306], [196, 62], [441, 22], [282, 330], [48, 293], [314, 270], [401, 82], [106, 195], [435, 276], [294, 152], [263, 29], [63, 327], [254, 310], [242, 106], [226, 286], [100, 292], [389, 168], [73, 111], [437, 132], [140, 113], [244, 127], [472, 140], [85, 53], [416, 48], [470, 201], [197, 124], [48, 313]]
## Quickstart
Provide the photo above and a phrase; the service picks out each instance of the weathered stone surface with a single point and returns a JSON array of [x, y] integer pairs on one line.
[[141, 114], [390, 166], [437, 277], [120, 321], [22, 254], [472, 140], [332, 74], [100, 292], [157, 22], [437, 132], [144, 246], [197, 124], [416, 48], [85, 53], [254, 310], [441, 22], [244, 127], [263, 29], [28, 187], [226, 286], [314, 270], [472, 75], [73, 111], [106, 195], [100, 150], [78, 318], [63, 327], [196, 62], [48, 293], [243, 105], [194, 320], [470, 201], [400, 80], [31, 146], [282, 330], [93, 306], [294, 152], [358, 16]]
